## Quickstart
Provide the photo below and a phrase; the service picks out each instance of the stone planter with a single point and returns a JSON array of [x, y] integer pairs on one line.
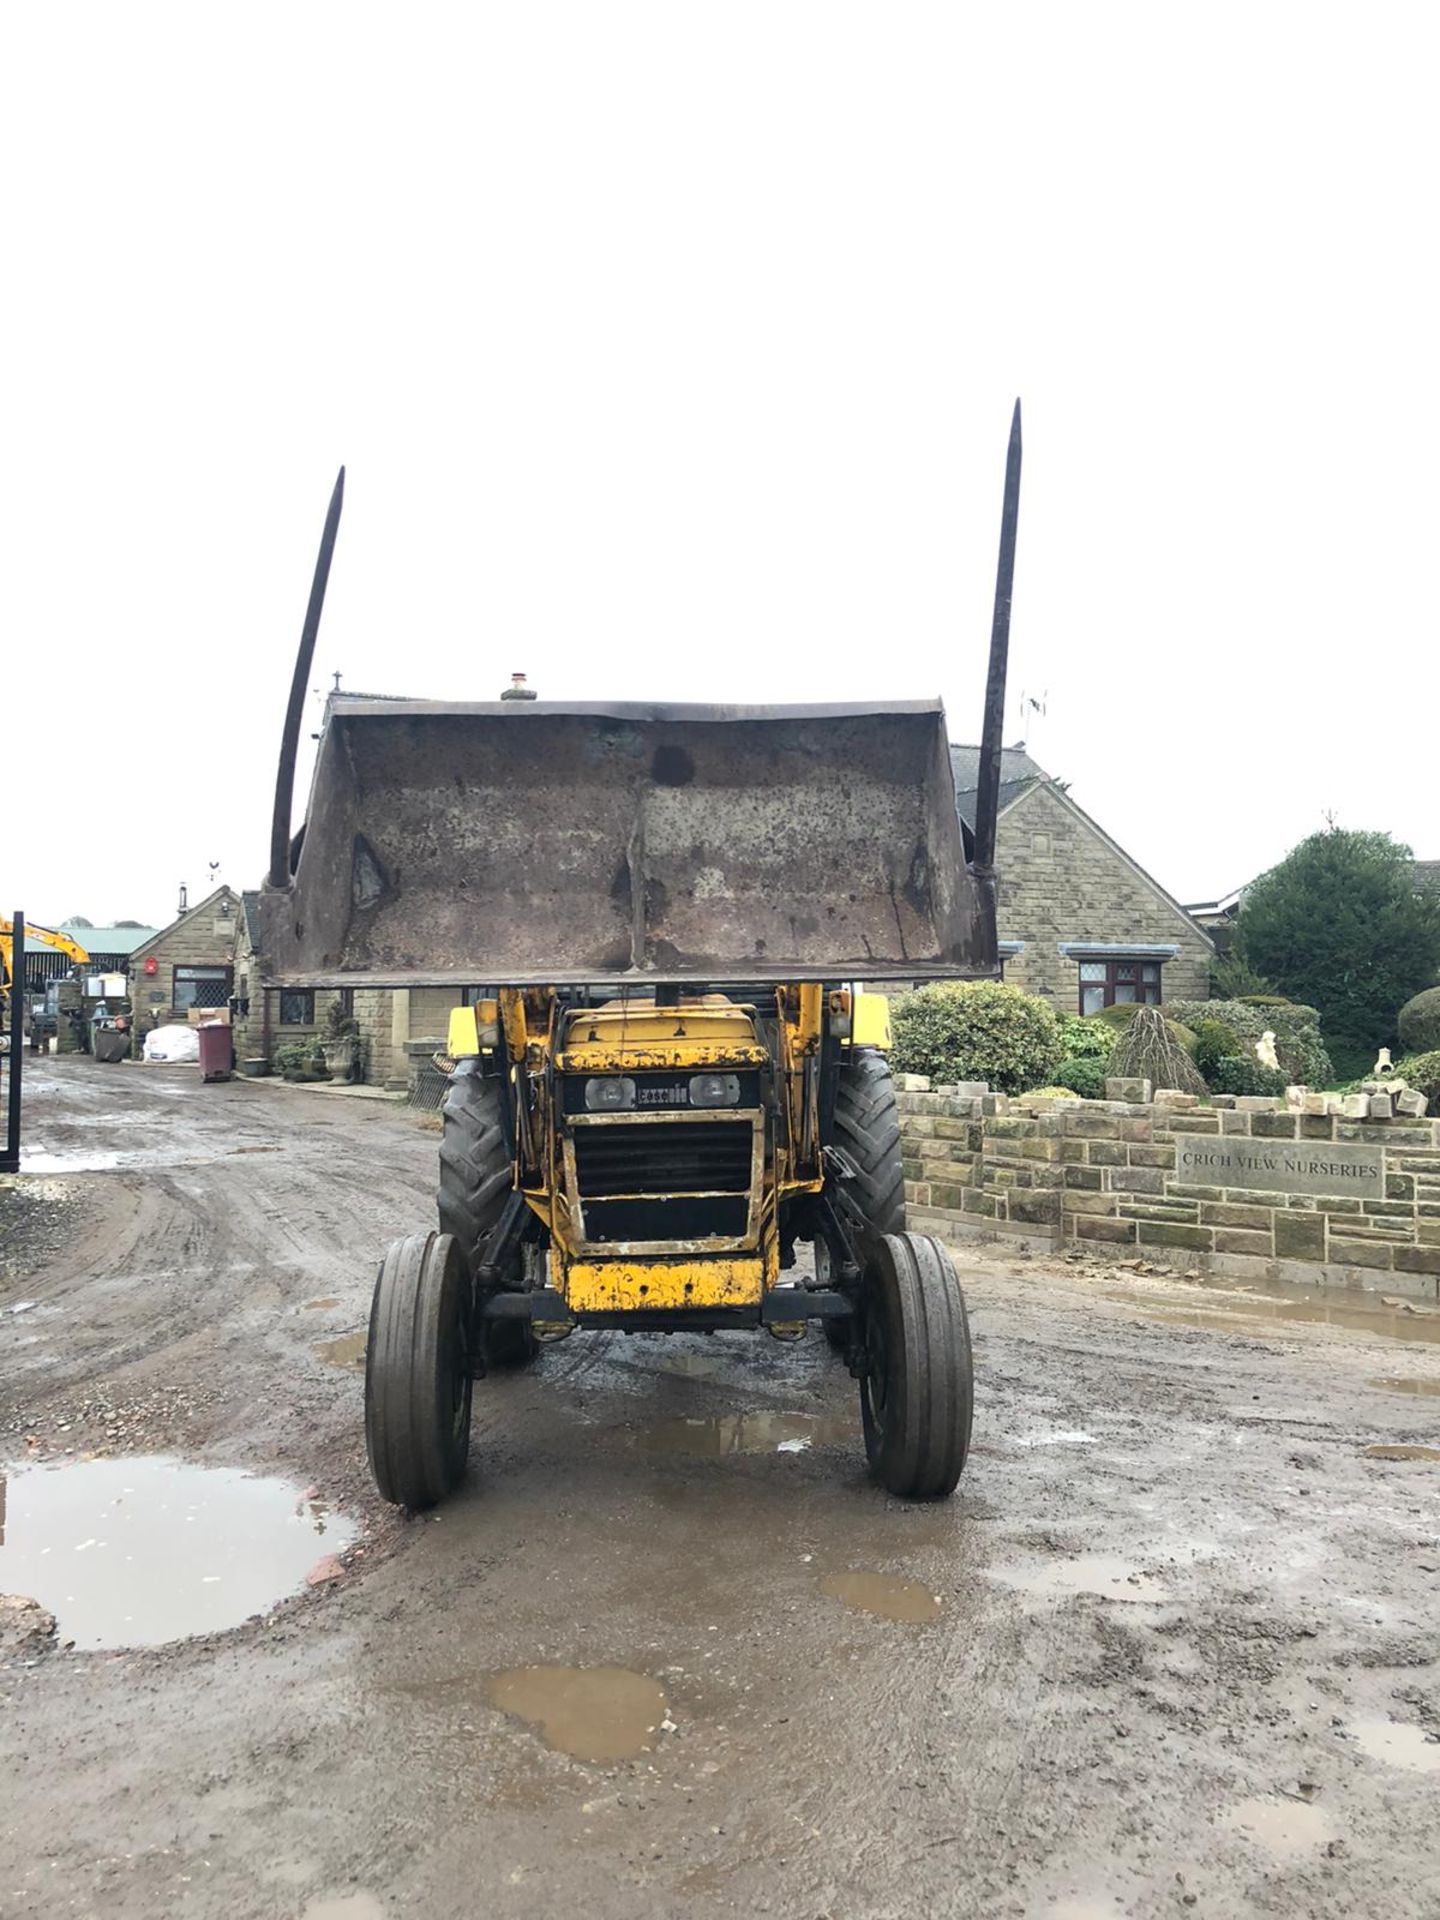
[[257, 1068]]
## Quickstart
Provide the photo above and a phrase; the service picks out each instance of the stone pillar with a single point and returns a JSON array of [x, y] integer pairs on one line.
[[398, 1081]]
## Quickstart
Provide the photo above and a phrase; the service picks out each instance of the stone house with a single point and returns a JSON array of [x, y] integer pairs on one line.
[[190, 963], [398, 1028], [1082, 924]]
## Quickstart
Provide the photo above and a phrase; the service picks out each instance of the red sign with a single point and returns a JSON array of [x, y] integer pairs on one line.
[[152, 965]]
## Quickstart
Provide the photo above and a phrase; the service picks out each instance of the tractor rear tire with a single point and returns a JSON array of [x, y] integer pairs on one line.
[[475, 1183], [417, 1371], [917, 1388], [867, 1126]]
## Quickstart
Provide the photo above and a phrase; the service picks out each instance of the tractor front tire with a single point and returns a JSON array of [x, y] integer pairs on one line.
[[475, 1183], [867, 1126], [917, 1384], [417, 1371]]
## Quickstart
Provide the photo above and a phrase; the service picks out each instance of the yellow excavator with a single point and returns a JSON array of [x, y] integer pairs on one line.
[[52, 938], [669, 1076]]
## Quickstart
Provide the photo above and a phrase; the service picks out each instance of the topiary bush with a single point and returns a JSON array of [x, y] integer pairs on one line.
[[1242, 1073], [1422, 1072], [1299, 1047], [1215, 1040], [1086, 1038], [1419, 1022], [1084, 1075], [1151, 1049], [981, 1031]]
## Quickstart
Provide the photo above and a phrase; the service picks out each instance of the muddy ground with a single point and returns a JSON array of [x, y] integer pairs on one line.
[[1172, 1649]]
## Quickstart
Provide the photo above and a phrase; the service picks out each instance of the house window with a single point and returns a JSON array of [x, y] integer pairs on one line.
[[1118, 983], [346, 997], [472, 996], [200, 987], [297, 1006]]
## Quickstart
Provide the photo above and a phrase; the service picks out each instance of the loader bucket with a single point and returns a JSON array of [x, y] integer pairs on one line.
[[527, 844]]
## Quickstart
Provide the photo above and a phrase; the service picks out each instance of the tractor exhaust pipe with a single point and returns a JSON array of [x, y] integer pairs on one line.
[[290, 739], [987, 800]]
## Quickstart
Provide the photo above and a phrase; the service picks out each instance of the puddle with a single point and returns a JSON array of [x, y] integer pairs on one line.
[[882, 1594], [1398, 1744], [348, 1351], [314, 1306], [591, 1713], [1392, 1385], [1281, 1306], [749, 1433], [69, 1162], [1102, 1573], [132, 1553], [1286, 1828], [1402, 1453], [695, 1366]]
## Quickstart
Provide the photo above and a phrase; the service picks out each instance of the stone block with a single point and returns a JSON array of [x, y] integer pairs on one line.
[[1337, 1207], [1222, 1100], [1362, 1253], [1255, 1103], [1142, 1156], [1172, 1097], [1273, 1126], [973, 1089], [1135, 1129], [912, 1083], [1315, 1104], [1417, 1260], [1011, 1127], [1091, 1126], [1355, 1106], [1411, 1105], [1072, 1151], [1119, 1088], [1087, 1227], [951, 1198], [1235, 1123], [1137, 1180], [1040, 1149], [1088, 1202], [1236, 1240], [1084, 1179], [1107, 1153], [981, 1203], [1295, 1099], [1224, 1213], [947, 1127], [1036, 1209], [917, 1193], [1299, 1236], [1163, 1233], [1187, 1211], [1196, 1123], [1316, 1126], [1382, 1107]]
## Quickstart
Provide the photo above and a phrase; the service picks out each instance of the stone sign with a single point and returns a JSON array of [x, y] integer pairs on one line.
[[1337, 1169]]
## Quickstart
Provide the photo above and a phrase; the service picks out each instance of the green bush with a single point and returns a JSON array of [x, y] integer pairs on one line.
[[1422, 1072], [1086, 1039], [1241, 1073], [983, 1031], [1231, 977], [1419, 1022], [1084, 1075], [1299, 1047], [1215, 1040]]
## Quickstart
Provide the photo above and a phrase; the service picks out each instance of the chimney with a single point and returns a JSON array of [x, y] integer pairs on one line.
[[517, 689]]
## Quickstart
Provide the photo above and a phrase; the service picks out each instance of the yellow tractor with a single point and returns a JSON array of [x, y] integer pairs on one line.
[[668, 1077]]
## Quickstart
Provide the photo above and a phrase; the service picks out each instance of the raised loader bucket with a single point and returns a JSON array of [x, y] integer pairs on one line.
[[534, 843]]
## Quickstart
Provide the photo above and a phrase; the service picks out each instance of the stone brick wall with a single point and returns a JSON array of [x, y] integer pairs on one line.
[[1062, 880], [1105, 1172]]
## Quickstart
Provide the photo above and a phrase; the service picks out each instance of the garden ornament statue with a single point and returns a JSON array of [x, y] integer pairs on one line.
[[1265, 1050], [1384, 1067]]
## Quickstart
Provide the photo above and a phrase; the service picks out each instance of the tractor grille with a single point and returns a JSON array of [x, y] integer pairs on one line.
[[700, 1157]]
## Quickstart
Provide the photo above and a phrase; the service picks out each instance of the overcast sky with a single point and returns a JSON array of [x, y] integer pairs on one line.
[[671, 351]]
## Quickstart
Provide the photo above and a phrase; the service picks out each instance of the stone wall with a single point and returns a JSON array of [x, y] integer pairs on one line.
[[1106, 1173], [1062, 879]]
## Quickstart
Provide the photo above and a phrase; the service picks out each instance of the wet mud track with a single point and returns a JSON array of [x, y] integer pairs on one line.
[[1172, 1649]]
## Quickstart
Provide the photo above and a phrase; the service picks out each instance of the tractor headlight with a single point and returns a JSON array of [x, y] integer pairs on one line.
[[614, 1093], [715, 1090]]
